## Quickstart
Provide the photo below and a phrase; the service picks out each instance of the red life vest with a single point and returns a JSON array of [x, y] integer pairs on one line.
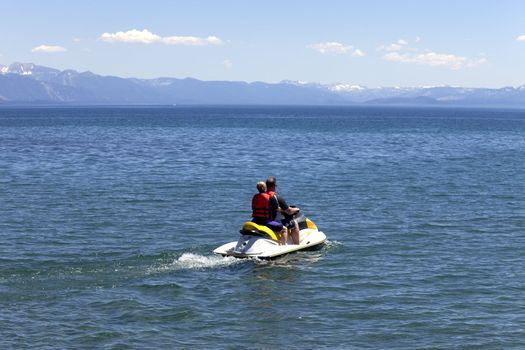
[[261, 206]]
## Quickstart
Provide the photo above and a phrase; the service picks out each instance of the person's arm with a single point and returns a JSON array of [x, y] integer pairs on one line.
[[291, 211], [285, 208]]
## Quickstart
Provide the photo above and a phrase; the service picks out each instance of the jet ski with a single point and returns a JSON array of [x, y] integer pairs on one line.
[[259, 241]]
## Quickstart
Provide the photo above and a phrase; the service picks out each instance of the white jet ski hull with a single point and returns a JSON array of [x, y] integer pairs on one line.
[[253, 246]]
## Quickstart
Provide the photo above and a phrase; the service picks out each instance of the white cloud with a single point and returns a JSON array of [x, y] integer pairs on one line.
[[131, 36], [336, 48], [401, 51], [77, 40], [331, 47], [435, 59], [191, 40], [227, 64], [48, 48], [358, 53], [147, 37], [521, 38], [393, 47], [397, 46]]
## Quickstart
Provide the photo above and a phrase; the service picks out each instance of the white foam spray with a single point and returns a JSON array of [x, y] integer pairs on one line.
[[197, 261], [191, 261]]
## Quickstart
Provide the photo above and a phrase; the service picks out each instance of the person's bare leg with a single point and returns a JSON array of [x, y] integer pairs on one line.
[[295, 233], [284, 236]]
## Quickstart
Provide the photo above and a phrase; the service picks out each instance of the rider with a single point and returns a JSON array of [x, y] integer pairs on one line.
[[262, 211], [277, 204]]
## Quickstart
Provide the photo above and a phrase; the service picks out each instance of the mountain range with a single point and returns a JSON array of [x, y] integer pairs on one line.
[[30, 84]]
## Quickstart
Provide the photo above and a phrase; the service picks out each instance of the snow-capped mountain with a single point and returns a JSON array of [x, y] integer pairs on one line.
[[27, 83], [29, 69], [431, 95]]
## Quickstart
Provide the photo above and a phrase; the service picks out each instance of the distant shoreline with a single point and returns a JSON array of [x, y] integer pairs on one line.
[[7, 106], [27, 84]]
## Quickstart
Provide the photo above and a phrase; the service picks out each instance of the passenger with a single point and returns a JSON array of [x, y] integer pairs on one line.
[[277, 205], [261, 205]]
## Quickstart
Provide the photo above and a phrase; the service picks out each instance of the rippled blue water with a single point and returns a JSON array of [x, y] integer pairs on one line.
[[108, 217]]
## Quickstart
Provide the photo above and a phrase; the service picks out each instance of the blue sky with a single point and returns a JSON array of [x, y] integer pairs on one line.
[[372, 43]]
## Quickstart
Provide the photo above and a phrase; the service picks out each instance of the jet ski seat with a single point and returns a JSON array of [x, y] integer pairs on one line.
[[251, 228]]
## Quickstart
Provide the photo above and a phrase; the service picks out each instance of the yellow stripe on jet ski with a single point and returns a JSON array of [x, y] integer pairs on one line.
[[252, 226], [310, 224]]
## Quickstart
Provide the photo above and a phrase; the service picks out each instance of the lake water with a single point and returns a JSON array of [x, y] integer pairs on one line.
[[108, 219]]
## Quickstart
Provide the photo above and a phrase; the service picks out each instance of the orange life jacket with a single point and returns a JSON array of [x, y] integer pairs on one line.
[[261, 206]]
